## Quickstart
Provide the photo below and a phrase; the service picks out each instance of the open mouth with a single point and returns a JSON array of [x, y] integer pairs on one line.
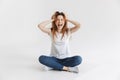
[[60, 24]]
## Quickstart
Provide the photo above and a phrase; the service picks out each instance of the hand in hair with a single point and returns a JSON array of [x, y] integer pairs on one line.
[[55, 14], [53, 17]]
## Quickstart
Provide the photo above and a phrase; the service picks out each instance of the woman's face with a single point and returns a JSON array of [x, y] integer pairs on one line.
[[60, 21]]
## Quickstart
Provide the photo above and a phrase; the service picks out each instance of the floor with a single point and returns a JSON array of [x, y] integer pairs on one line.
[[20, 63]]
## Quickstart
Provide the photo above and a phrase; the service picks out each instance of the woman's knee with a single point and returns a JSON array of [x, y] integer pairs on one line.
[[42, 58], [78, 59]]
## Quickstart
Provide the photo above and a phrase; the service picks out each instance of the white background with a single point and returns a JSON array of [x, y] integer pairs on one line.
[[97, 41]]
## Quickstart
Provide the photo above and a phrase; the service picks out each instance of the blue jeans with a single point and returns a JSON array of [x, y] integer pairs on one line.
[[58, 64]]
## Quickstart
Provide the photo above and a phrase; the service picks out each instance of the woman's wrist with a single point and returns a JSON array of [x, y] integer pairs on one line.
[[73, 22], [67, 20], [52, 20]]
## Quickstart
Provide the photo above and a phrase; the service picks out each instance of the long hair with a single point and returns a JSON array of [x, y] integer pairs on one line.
[[54, 27]]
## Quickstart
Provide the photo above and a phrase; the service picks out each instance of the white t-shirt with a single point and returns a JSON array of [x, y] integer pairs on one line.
[[60, 48]]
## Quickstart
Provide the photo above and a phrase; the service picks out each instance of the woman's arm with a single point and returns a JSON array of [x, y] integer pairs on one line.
[[43, 24], [76, 27]]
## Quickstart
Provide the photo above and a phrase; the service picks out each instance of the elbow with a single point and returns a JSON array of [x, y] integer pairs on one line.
[[78, 25], [38, 25]]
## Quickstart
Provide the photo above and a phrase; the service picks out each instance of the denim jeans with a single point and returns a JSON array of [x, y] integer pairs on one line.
[[58, 64]]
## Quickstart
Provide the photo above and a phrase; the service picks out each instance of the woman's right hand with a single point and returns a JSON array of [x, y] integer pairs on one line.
[[52, 20], [53, 17]]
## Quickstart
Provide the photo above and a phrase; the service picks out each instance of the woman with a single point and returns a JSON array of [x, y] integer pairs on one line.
[[59, 58]]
